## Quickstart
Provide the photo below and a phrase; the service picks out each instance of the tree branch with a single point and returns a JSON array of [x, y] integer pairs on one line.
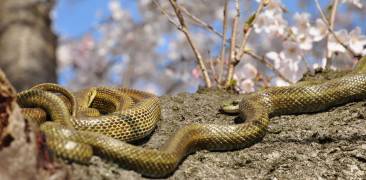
[[247, 29], [331, 31], [331, 26], [223, 43], [185, 31], [200, 22], [170, 19], [230, 71]]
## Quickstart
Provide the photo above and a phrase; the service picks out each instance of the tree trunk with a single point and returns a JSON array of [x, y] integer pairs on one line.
[[18, 148], [27, 43]]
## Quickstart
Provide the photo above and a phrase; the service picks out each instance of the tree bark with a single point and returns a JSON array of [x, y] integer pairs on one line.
[[18, 149], [27, 43]]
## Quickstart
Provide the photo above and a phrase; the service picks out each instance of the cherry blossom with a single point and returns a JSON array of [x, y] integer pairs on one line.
[[357, 41], [115, 9], [319, 31], [245, 78], [334, 45], [196, 72], [245, 86], [280, 82], [304, 33], [320, 64], [354, 39], [289, 56], [305, 41], [302, 23], [291, 50], [270, 22], [133, 52], [288, 60]]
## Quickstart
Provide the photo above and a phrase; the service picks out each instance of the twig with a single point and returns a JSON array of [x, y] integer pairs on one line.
[[261, 77], [247, 29], [331, 31], [212, 67], [331, 26], [170, 19], [263, 60], [230, 71], [200, 22], [353, 54], [185, 31], [324, 18], [223, 43]]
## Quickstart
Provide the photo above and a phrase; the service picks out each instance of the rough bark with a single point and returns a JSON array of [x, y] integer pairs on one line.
[[27, 43], [22, 153], [17, 147]]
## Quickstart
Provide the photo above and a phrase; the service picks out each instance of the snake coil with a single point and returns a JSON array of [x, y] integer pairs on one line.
[[77, 136]]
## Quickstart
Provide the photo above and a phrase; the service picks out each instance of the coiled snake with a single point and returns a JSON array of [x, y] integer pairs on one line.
[[78, 131]]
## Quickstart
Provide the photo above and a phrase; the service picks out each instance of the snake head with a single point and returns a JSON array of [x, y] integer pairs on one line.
[[90, 96], [230, 107]]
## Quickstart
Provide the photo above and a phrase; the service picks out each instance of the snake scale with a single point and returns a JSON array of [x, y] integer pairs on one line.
[[77, 133]]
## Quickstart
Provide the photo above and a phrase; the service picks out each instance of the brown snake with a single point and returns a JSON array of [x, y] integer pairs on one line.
[[78, 141]]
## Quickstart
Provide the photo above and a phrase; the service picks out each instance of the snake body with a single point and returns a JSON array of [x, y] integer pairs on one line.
[[90, 135]]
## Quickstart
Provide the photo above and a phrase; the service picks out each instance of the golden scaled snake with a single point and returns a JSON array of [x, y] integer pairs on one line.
[[99, 120]]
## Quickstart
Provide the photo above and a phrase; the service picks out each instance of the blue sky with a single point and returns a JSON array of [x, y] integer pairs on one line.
[[73, 18]]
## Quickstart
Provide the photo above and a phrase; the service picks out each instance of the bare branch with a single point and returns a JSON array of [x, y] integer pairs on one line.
[[331, 26], [170, 19], [331, 31], [247, 29], [223, 43], [185, 31], [200, 22], [230, 71], [324, 17], [212, 67]]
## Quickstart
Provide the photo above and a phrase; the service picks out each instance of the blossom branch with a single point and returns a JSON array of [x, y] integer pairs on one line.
[[263, 60], [185, 31], [331, 26], [200, 22], [212, 68], [230, 71], [332, 33], [223, 42], [247, 29], [170, 19]]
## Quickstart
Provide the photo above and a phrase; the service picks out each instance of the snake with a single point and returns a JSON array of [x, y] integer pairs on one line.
[[76, 135]]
